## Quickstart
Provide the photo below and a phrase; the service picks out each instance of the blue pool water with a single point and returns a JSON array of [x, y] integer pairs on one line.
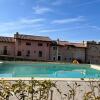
[[49, 70]]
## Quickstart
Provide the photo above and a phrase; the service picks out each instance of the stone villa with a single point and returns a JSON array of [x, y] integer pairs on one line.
[[27, 47]]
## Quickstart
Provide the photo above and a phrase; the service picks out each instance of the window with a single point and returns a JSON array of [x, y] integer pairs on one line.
[[5, 47], [40, 44], [54, 58], [47, 44], [28, 43], [19, 53], [5, 50], [59, 58], [28, 53], [54, 48], [40, 54]]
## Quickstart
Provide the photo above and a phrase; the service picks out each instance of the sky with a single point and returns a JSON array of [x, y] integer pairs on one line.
[[68, 20]]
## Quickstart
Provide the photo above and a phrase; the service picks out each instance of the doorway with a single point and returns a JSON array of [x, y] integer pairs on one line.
[[59, 58]]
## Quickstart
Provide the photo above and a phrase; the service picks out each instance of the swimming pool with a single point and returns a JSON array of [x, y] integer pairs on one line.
[[47, 70]]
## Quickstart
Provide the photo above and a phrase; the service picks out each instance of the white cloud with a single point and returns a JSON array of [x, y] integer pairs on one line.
[[21, 24], [31, 21], [41, 10], [68, 20], [94, 27], [61, 29]]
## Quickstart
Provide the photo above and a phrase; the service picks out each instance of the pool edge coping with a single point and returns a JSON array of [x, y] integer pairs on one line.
[[52, 79], [94, 66]]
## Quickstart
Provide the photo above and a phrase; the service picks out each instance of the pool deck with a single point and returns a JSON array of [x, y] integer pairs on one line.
[[53, 79], [61, 84], [97, 67], [1, 62]]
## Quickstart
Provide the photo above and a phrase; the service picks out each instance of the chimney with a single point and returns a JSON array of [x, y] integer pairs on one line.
[[83, 42], [16, 35], [58, 41]]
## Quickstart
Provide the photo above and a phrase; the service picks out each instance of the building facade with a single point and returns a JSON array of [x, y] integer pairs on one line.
[[32, 47], [65, 51], [93, 52], [7, 47], [25, 47], [28, 47]]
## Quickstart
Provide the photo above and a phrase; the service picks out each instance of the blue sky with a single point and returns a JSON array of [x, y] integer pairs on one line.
[[70, 20]]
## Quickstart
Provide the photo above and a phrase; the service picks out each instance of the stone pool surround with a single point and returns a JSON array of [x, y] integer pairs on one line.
[[1, 62], [52, 79], [97, 67]]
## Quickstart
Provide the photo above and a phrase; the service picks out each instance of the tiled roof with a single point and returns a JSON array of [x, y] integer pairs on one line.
[[6, 39], [80, 45], [65, 43], [31, 37]]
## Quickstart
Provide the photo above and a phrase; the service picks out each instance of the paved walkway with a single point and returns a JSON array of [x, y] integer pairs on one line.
[[65, 90]]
